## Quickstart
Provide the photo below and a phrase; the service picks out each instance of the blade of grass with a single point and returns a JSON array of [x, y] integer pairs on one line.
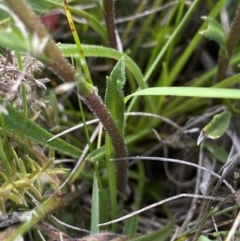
[[171, 39], [17, 124], [78, 44], [111, 180], [193, 43], [131, 225], [95, 210], [92, 21], [99, 51], [203, 92]]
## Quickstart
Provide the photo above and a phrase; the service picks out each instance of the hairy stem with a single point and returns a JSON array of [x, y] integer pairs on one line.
[[61, 67], [232, 39], [108, 13], [95, 103]]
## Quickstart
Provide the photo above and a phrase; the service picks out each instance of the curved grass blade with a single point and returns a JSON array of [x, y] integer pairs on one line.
[[70, 50], [78, 43]]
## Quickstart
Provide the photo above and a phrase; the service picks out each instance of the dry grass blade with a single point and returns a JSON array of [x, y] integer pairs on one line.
[[73, 128], [163, 159], [160, 203], [145, 13], [234, 228]]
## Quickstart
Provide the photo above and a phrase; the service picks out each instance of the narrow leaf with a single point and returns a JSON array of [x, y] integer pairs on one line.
[[17, 124], [203, 92], [70, 50], [95, 207], [217, 152], [114, 98]]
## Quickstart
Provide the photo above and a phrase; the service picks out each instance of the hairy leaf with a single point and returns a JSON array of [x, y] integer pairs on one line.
[[114, 98], [215, 32]]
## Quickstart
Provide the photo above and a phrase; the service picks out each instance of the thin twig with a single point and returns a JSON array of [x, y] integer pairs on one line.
[[160, 203], [179, 162], [81, 158], [190, 213]]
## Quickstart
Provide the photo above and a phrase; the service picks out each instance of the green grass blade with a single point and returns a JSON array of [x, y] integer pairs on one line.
[[70, 50], [203, 92], [17, 124], [171, 39], [49, 4], [114, 98], [95, 207], [193, 44]]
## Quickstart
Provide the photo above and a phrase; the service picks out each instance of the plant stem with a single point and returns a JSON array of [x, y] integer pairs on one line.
[[96, 105], [61, 67], [108, 13], [232, 39]]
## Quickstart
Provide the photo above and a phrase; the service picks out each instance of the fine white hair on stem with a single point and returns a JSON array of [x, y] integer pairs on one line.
[[164, 159], [162, 202]]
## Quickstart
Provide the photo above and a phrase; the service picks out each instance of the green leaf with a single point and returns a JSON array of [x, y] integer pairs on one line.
[[95, 210], [203, 92], [12, 42], [216, 151], [114, 98], [17, 124], [215, 32], [216, 127], [203, 238], [70, 50]]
